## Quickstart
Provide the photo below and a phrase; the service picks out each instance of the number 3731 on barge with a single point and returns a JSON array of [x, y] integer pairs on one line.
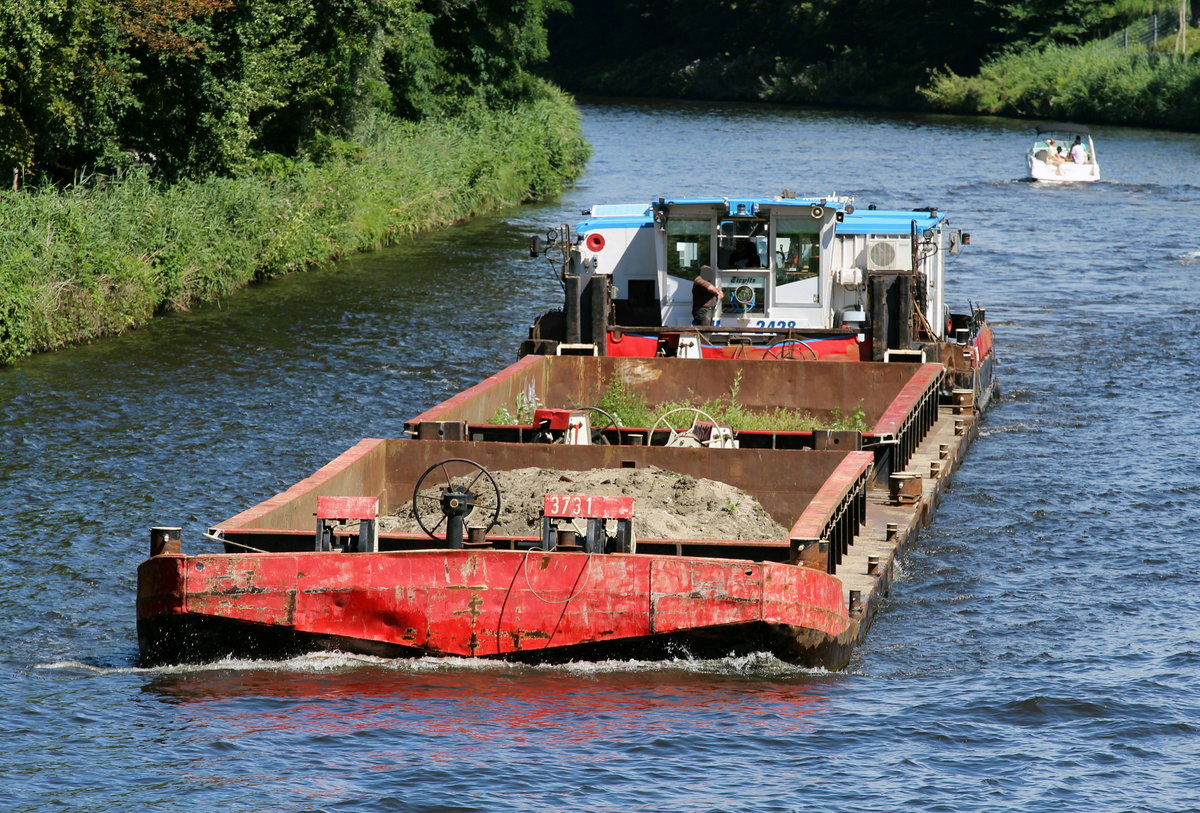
[[789, 307]]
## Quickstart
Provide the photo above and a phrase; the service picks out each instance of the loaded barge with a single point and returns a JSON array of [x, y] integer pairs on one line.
[[839, 412]]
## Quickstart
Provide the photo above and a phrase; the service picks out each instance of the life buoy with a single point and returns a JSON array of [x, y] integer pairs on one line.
[[595, 242]]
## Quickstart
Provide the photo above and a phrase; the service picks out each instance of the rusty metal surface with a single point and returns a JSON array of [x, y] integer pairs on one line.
[[826, 529], [573, 381], [783, 481], [489, 603]]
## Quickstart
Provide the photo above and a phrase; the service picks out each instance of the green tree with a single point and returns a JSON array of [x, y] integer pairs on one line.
[[207, 86], [63, 84]]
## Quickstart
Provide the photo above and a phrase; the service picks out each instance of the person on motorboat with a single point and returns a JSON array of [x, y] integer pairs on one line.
[[1053, 155], [1078, 153]]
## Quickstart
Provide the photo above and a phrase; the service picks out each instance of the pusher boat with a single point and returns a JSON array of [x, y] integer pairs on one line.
[[800, 279]]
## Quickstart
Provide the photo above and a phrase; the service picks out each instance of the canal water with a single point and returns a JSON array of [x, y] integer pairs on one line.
[[1039, 651]]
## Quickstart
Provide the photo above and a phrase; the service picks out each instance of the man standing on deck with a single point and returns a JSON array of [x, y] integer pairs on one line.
[[705, 295]]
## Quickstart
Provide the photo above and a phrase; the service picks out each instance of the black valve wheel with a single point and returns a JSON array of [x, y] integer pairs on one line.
[[466, 492], [611, 422]]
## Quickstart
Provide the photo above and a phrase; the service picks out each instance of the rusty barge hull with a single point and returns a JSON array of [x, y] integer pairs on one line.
[[808, 597], [500, 604]]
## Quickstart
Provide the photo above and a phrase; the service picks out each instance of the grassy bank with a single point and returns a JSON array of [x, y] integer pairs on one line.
[[1093, 83], [105, 256]]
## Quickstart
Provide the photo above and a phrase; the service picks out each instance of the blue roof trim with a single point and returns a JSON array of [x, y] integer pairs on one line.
[[860, 221], [753, 204], [595, 223], [886, 221]]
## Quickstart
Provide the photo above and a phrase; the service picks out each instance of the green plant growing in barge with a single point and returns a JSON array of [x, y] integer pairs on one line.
[[525, 406], [633, 409], [629, 406]]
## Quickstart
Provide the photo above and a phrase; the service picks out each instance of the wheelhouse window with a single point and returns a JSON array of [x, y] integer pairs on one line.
[[797, 249], [743, 244], [689, 246]]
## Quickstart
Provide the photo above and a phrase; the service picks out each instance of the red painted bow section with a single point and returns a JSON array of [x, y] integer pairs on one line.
[[488, 603]]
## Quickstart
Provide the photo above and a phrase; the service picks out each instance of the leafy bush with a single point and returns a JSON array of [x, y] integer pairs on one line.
[[1088, 82]]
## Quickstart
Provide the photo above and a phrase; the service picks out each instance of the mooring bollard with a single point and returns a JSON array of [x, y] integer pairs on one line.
[[964, 401], [943, 450], [935, 468], [960, 427], [904, 487], [166, 539], [856, 606], [477, 535], [892, 529], [872, 565]]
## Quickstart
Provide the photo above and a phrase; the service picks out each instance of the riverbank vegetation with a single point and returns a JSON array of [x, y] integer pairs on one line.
[[1088, 83], [166, 153], [102, 256], [1043, 58]]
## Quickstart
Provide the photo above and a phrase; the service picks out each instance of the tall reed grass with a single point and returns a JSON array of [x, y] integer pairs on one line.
[[104, 256], [1096, 83]]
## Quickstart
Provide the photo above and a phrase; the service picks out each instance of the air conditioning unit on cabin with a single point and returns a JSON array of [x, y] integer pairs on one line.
[[889, 253]]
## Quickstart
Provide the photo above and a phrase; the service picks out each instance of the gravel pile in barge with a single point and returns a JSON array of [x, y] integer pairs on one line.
[[666, 505]]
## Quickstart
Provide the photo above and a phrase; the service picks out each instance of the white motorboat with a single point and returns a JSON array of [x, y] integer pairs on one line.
[[1054, 157]]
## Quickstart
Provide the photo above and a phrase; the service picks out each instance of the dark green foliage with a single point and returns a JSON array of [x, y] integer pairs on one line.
[[1042, 22], [64, 85], [840, 52], [208, 86]]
